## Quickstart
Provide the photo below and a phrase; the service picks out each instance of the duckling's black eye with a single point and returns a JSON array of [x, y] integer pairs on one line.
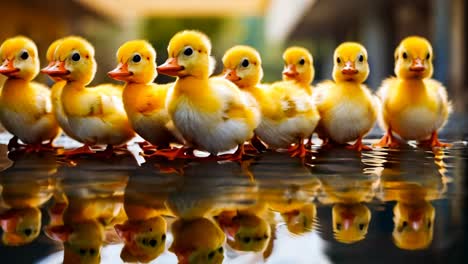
[[163, 237], [361, 58], [92, 251], [428, 56], [211, 255], [245, 63], [429, 224], [246, 239], [28, 231], [153, 242], [220, 249], [338, 227], [76, 57], [82, 251], [404, 224], [338, 60], [361, 226], [302, 62], [404, 55], [24, 55], [188, 51], [136, 58]]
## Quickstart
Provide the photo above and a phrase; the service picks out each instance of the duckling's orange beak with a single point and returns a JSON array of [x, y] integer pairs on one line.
[[231, 75], [348, 219], [126, 231], [120, 73], [290, 71], [416, 220], [417, 65], [9, 221], [170, 67], [59, 233], [349, 68], [56, 70], [8, 69]]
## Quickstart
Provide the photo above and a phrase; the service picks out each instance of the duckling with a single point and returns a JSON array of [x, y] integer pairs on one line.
[[56, 92], [347, 107], [414, 106], [197, 241], [25, 106], [301, 113], [144, 101], [96, 115], [212, 114]]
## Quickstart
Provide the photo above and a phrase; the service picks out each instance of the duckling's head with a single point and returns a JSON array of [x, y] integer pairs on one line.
[[20, 226], [245, 231], [81, 241], [298, 65], [413, 58], [50, 55], [413, 225], [144, 240], [243, 66], [137, 63], [301, 220], [197, 241], [350, 63], [350, 222], [74, 61], [19, 58], [189, 55]]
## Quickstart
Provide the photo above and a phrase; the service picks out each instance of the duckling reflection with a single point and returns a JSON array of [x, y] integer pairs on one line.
[[413, 187], [288, 187], [94, 205], [27, 185], [206, 190], [144, 233], [348, 184]]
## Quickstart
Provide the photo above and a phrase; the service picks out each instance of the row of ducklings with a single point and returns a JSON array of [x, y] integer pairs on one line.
[[215, 114]]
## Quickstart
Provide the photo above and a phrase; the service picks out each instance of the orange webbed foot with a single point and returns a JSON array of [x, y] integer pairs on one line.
[[172, 154], [298, 150], [387, 141], [83, 150], [434, 142], [358, 146]]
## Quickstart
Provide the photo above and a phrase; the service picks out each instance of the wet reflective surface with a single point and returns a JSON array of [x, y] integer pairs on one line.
[[336, 206]]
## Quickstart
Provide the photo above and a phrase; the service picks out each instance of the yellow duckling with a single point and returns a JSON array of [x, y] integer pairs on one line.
[[243, 67], [347, 107], [96, 115], [56, 92], [197, 241], [414, 106], [301, 114], [144, 101], [212, 114], [25, 106]]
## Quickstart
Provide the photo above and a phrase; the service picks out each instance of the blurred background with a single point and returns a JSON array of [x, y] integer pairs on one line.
[[268, 25]]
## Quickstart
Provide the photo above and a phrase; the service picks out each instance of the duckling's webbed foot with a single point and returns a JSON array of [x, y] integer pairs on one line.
[[387, 141], [172, 154], [358, 146], [434, 142], [299, 150], [84, 150]]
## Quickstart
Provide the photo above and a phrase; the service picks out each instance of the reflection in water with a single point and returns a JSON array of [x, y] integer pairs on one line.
[[413, 188], [224, 212], [27, 185], [93, 204], [348, 183]]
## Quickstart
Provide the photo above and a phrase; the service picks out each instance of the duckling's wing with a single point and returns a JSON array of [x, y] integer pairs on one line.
[[384, 88], [441, 92], [320, 92], [43, 102]]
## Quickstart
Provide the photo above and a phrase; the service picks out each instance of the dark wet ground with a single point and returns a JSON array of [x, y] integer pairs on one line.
[[338, 206]]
